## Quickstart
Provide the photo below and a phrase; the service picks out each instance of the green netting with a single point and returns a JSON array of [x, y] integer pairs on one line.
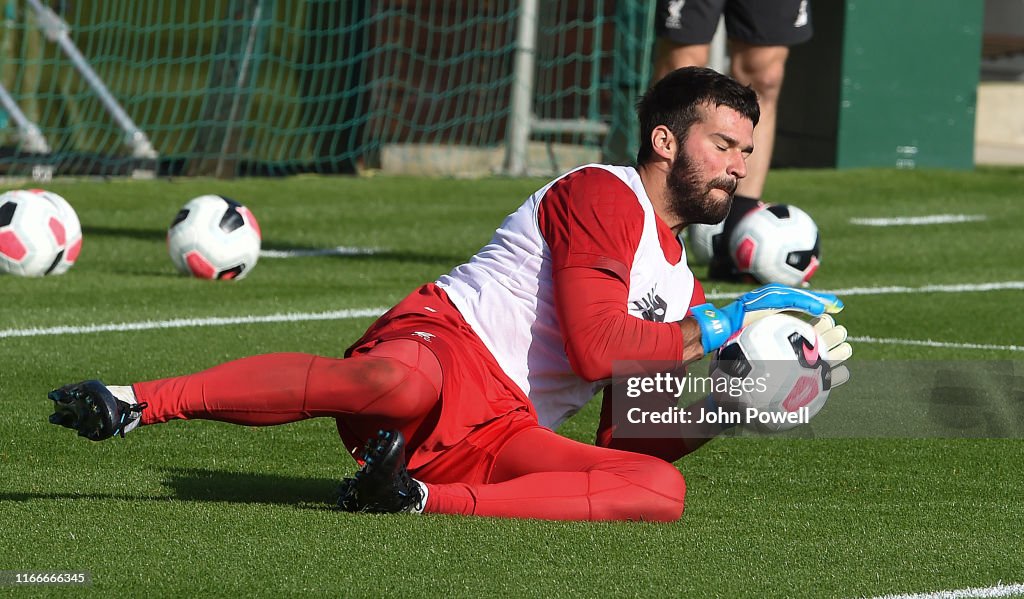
[[245, 87]]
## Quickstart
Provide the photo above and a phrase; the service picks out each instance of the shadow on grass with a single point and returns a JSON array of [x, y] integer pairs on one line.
[[217, 486], [199, 484]]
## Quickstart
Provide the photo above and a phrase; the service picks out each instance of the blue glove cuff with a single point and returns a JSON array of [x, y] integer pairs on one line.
[[715, 326]]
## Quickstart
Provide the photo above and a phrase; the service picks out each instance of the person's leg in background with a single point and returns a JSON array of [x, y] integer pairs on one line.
[[683, 32], [760, 33]]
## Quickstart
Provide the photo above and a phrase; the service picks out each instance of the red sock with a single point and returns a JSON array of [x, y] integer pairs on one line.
[[398, 379]]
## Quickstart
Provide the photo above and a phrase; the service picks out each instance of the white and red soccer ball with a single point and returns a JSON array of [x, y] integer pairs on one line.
[[40, 233], [777, 243], [213, 237], [72, 229], [778, 367], [702, 240]]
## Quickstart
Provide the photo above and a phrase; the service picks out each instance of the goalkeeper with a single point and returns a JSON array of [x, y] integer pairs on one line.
[[450, 400]]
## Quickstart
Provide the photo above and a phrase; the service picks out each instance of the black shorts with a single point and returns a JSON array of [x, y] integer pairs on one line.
[[756, 22]]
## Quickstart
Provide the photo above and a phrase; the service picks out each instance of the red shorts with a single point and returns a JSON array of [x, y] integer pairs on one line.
[[480, 407]]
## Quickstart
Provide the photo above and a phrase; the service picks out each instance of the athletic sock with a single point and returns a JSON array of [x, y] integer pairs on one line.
[[126, 394], [425, 491]]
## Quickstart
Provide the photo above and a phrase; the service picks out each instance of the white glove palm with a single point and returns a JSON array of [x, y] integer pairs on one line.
[[839, 350]]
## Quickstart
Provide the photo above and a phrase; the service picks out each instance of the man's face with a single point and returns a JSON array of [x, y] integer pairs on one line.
[[709, 164]]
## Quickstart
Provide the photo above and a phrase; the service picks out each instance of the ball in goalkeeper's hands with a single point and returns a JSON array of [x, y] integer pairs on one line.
[[779, 371]]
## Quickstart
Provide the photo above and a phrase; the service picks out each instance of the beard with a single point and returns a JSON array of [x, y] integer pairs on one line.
[[690, 197]]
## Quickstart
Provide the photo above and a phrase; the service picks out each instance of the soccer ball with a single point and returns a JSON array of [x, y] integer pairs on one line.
[[213, 237], [777, 366], [702, 240], [776, 244], [32, 236], [72, 230]]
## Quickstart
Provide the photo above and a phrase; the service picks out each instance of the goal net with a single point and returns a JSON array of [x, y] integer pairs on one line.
[[263, 87]]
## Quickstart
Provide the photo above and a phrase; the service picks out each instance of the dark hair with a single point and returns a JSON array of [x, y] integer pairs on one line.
[[673, 102]]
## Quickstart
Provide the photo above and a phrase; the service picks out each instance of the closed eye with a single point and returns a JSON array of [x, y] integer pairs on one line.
[[727, 142]]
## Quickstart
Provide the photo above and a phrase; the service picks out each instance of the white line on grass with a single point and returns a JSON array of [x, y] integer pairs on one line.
[[374, 312], [931, 219], [930, 343], [894, 289], [962, 288], [335, 251], [178, 323], [999, 590]]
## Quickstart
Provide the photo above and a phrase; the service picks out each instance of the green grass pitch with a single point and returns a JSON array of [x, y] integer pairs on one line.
[[209, 509]]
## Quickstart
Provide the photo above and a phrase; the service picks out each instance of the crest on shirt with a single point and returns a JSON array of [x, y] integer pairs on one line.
[[651, 307], [674, 20]]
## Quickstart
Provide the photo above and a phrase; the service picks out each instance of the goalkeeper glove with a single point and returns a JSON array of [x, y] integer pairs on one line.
[[717, 325], [833, 336]]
